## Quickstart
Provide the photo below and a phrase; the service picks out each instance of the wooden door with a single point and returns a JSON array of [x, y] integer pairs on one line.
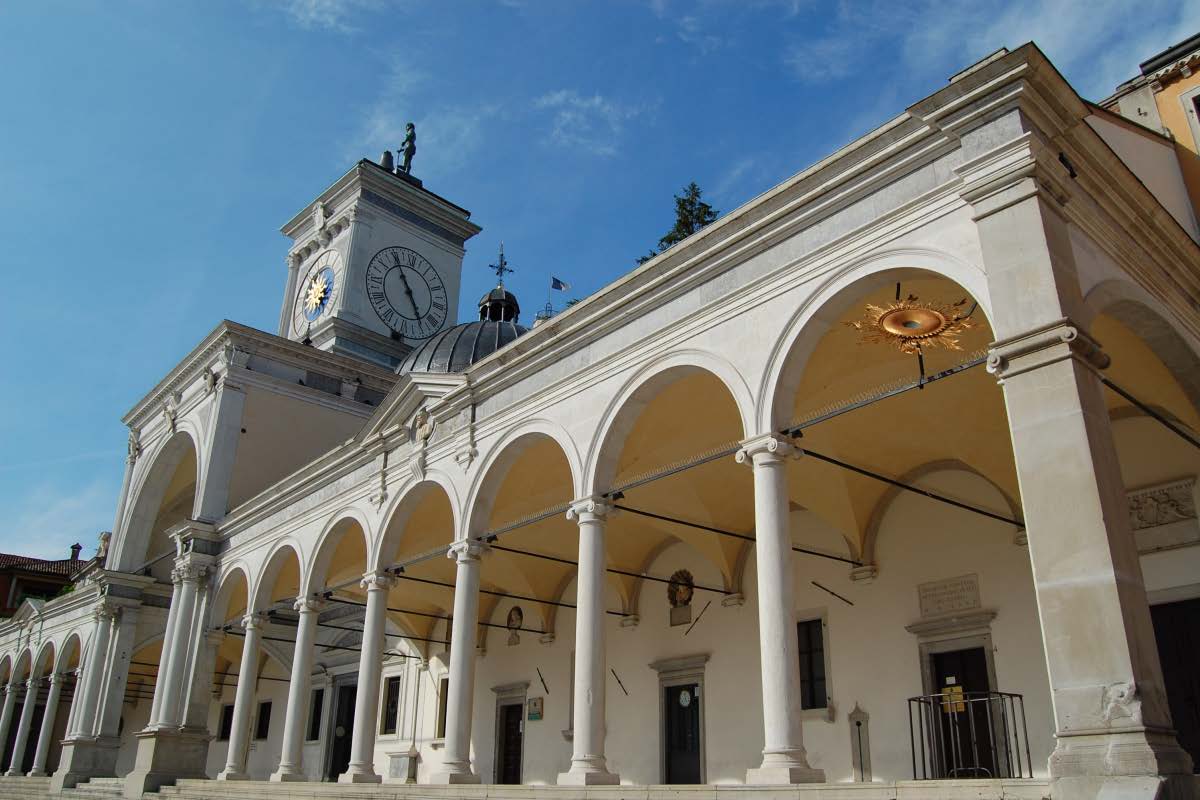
[[963, 748], [681, 729], [508, 748], [1177, 630], [343, 730]]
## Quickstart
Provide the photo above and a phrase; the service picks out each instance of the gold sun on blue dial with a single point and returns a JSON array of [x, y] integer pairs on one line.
[[316, 291]]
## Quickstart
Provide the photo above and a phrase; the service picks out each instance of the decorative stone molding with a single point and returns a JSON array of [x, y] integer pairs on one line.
[[380, 497], [867, 573], [1152, 506], [588, 509], [547, 638], [465, 450], [630, 621], [309, 604], [466, 550], [377, 580], [254, 621], [952, 623], [733, 600], [190, 571], [1021, 538], [1042, 346], [134, 447], [763, 448], [170, 410]]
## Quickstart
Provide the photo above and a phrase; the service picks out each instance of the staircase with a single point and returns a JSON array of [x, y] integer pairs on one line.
[[96, 789]]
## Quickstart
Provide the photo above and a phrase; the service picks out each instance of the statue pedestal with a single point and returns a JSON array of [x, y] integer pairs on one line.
[[84, 758], [165, 756]]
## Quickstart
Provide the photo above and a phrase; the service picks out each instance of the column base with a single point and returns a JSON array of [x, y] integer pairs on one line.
[[784, 767], [164, 757], [1126, 764], [35, 773], [83, 758], [287, 775], [229, 775], [589, 778], [357, 773]]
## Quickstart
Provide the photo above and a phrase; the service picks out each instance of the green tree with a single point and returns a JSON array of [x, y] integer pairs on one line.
[[691, 214]]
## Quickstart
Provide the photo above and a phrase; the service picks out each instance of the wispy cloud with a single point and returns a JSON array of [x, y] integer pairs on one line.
[[447, 135], [592, 123], [333, 15], [49, 519], [1071, 32]]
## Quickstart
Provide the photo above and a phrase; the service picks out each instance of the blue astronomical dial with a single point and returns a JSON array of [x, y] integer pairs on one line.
[[317, 290]]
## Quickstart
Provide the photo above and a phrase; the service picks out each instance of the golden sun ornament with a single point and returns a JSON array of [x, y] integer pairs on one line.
[[912, 324], [316, 293]]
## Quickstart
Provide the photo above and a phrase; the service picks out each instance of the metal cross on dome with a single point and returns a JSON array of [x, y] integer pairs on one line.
[[501, 268]]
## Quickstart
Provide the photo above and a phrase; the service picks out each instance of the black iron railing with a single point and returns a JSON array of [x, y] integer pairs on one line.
[[958, 734]]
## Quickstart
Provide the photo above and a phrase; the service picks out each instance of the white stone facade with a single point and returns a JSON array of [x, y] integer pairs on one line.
[[267, 513]]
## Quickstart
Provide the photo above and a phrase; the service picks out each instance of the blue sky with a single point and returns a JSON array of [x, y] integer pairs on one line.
[[150, 151]]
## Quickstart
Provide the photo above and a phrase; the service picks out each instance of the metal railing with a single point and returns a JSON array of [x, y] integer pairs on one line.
[[958, 734]]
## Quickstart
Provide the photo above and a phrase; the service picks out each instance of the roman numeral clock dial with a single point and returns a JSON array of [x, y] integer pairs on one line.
[[406, 292]]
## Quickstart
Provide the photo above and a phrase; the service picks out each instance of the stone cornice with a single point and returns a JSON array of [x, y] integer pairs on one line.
[[231, 335]]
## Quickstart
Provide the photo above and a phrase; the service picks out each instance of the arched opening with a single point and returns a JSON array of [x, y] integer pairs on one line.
[[906, 466], [165, 497]]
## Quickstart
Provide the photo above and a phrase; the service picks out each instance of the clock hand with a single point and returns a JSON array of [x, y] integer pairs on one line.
[[408, 291]]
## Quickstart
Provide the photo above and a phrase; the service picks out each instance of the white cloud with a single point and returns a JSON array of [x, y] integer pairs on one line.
[[590, 123], [447, 135], [52, 517], [1098, 42], [331, 15]]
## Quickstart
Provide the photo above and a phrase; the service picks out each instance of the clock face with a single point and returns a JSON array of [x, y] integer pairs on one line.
[[316, 292], [406, 292]]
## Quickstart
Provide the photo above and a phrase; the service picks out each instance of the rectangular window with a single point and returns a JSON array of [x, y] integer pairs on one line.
[[314, 715], [391, 705], [443, 691], [812, 664], [226, 724], [263, 728]]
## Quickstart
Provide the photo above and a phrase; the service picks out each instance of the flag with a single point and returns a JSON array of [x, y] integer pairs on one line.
[[561, 286]]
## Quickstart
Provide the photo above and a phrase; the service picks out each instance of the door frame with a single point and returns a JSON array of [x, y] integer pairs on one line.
[[335, 688], [931, 648], [508, 694], [675, 672]]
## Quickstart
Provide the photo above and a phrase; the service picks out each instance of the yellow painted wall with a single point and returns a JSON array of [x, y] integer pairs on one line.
[[1174, 118]]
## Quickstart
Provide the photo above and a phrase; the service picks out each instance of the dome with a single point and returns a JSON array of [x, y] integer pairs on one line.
[[455, 349]]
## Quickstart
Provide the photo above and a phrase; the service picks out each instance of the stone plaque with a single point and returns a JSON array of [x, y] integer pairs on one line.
[[949, 596]]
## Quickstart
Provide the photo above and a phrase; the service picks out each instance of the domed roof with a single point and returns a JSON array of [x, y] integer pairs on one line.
[[455, 349]]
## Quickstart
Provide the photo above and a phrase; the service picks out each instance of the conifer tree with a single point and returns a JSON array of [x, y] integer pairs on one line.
[[691, 214]]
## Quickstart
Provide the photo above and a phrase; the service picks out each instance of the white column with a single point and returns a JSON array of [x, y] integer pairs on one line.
[[1113, 730], [366, 699], [10, 699], [291, 765], [93, 673], [189, 576], [46, 735], [243, 702], [116, 673], [18, 754], [456, 761], [588, 766], [784, 759], [73, 714], [164, 659]]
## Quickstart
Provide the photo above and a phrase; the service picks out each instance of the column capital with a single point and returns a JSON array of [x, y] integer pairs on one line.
[[308, 605], [55, 679], [105, 610], [374, 580], [466, 550], [768, 448], [253, 621], [1047, 344], [589, 509], [188, 571]]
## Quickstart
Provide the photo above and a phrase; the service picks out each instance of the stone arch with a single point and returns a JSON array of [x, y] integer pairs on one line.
[[875, 522], [71, 649], [638, 390], [382, 551], [132, 542], [275, 568], [341, 525], [23, 665], [44, 661], [835, 293], [1133, 307], [6, 667], [232, 593], [506, 451]]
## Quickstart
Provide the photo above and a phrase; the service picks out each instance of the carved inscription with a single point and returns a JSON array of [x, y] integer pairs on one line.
[[949, 595]]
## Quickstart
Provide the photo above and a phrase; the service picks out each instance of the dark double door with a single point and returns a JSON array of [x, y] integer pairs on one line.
[[342, 730], [681, 730], [1177, 631], [508, 747], [963, 745]]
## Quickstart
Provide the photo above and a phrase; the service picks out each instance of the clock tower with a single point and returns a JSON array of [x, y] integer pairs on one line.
[[375, 266]]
